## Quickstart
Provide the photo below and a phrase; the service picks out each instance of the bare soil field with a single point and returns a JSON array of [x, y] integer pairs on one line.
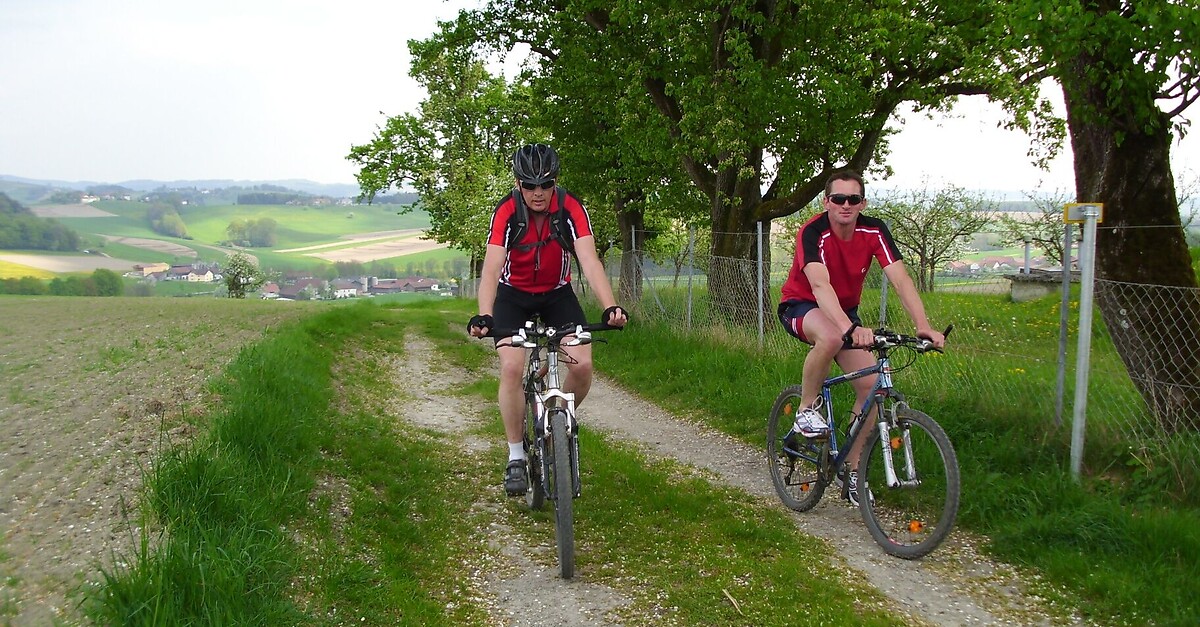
[[70, 211], [89, 389], [358, 237], [379, 250], [69, 263], [158, 246]]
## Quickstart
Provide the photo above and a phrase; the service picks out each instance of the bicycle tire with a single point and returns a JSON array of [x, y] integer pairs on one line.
[[910, 521], [563, 492], [800, 480], [535, 494]]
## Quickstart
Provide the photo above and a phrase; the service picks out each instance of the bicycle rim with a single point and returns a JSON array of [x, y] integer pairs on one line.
[[799, 474], [535, 495], [564, 494], [910, 520]]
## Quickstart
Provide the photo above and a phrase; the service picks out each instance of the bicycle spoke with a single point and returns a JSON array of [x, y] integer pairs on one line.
[[910, 515], [796, 471]]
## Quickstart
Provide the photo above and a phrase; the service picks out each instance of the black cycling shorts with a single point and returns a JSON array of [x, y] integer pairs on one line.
[[792, 312], [555, 308]]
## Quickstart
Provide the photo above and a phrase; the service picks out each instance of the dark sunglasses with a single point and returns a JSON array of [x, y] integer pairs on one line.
[[547, 185], [840, 199]]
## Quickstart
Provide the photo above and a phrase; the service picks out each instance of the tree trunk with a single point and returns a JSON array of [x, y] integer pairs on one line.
[[1147, 297], [630, 221]]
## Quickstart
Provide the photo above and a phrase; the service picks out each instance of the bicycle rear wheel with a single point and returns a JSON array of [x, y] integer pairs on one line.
[[535, 495], [563, 491], [911, 517], [798, 474]]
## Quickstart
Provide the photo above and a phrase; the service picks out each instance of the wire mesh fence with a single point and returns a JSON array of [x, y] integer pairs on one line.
[[1011, 356]]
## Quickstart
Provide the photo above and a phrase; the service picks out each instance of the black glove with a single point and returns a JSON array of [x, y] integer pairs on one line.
[[485, 321], [612, 311]]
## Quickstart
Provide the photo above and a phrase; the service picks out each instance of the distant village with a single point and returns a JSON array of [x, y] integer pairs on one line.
[[298, 285]]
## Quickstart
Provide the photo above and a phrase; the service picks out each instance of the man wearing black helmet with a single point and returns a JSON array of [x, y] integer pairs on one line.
[[532, 275]]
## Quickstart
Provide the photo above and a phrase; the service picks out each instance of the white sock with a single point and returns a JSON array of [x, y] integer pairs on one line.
[[516, 450]]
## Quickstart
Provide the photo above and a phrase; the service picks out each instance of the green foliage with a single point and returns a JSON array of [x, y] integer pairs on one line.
[[20, 229], [254, 232], [164, 219], [107, 282], [241, 275], [455, 152]]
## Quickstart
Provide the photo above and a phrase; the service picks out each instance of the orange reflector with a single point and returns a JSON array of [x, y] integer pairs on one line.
[[916, 526], [805, 487], [895, 443], [787, 409]]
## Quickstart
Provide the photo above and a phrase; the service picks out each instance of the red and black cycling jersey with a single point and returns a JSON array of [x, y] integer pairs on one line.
[[847, 261], [538, 263]]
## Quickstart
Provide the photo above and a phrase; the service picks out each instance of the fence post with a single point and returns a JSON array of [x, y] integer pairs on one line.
[[1087, 253], [761, 296], [1062, 326]]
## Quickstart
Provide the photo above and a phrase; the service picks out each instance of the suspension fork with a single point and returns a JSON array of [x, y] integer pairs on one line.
[[889, 419]]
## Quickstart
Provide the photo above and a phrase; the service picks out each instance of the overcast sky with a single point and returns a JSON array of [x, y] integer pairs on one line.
[[281, 89]]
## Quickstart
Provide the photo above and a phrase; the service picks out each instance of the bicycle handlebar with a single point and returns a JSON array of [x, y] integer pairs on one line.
[[534, 331], [887, 339]]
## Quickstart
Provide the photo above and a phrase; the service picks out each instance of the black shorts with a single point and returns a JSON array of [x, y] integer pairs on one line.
[[792, 312], [557, 307]]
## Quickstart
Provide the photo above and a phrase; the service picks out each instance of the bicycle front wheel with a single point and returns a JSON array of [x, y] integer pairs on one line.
[[798, 471], [563, 491], [910, 512], [535, 495]]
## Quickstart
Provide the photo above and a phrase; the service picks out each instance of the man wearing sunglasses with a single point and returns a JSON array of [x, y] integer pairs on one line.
[[532, 276], [821, 296]]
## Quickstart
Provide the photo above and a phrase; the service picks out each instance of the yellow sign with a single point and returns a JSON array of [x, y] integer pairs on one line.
[[1073, 212]]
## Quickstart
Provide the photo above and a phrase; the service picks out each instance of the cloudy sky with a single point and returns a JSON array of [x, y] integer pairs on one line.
[[280, 89]]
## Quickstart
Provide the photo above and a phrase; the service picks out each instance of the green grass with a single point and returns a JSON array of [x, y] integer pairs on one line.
[[280, 455], [1121, 545]]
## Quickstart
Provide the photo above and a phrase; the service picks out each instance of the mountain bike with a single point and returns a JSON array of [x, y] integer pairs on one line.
[[908, 480], [551, 430]]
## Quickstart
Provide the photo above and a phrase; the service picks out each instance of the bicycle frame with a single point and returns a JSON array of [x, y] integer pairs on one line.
[[548, 397], [882, 389]]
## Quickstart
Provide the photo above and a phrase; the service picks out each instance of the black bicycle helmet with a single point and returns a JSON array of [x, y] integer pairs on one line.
[[535, 163]]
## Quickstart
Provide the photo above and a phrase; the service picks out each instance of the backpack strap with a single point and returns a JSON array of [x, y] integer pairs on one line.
[[518, 222]]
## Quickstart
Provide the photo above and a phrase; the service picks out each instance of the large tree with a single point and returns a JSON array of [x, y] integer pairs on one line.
[[1128, 71], [455, 151], [761, 100]]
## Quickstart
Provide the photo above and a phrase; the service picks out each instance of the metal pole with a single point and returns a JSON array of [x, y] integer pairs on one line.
[[759, 290], [1028, 255], [1063, 317], [1087, 254], [691, 267]]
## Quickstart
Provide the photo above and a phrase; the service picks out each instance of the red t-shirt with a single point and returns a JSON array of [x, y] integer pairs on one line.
[[538, 269], [847, 261]]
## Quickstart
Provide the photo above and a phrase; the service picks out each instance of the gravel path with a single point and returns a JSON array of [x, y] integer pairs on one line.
[[954, 586]]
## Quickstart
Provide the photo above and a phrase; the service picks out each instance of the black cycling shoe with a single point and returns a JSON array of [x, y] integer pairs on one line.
[[515, 481]]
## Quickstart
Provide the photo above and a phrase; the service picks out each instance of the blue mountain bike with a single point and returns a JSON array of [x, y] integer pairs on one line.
[[908, 481]]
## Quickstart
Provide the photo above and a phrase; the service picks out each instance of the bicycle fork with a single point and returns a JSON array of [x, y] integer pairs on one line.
[[887, 418], [902, 442]]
